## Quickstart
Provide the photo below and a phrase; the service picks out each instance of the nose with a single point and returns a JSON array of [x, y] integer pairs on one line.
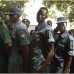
[[40, 16]]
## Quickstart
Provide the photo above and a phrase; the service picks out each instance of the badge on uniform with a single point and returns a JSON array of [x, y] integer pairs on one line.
[[22, 34]]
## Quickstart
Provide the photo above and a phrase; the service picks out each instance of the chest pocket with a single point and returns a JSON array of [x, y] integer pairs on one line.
[[60, 43], [14, 38], [36, 37]]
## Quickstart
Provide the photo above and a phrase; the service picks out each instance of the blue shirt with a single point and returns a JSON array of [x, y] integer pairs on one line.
[[20, 35], [39, 44], [64, 46]]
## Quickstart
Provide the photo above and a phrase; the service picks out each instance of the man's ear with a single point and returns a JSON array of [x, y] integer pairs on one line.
[[46, 15]]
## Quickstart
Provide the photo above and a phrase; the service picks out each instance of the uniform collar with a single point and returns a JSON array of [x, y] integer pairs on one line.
[[17, 22], [71, 37], [39, 26], [65, 34]]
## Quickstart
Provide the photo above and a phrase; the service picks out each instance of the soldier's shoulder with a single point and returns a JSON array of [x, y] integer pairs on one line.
[[65, 35], [48, 28], [71, 37], [68, 36], [21, 26], [4, 26]]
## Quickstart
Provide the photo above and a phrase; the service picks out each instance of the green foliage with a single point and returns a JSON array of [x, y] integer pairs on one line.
[[66, 7], [6, 4]]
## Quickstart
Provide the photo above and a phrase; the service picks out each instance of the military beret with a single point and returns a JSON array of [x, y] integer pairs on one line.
[[14, 10], [61, 19]]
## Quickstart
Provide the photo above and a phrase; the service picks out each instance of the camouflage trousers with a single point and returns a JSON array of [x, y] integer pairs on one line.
[[15, 63]]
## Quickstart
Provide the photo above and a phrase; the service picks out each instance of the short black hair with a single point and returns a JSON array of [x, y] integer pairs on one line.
[[49, 23], [25, 20], [44, 8]]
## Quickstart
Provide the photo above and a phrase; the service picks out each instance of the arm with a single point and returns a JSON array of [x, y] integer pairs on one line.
[[7, 38], [24, 43], [70, 43], [68, 64], [8, 46], [48, 58], [25, 51]]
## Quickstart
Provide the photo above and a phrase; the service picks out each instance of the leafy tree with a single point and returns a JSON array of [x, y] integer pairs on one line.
[[6, 4], [66, 7]]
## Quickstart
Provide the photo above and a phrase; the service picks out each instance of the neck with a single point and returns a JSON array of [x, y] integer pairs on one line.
[[16, 21], [62, 31], [41, 22]]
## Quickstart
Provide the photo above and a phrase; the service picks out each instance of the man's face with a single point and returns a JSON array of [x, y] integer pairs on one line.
[[62, 26], [1, 20], [49, 23], [13, 17], [26, 23], [41, 15]]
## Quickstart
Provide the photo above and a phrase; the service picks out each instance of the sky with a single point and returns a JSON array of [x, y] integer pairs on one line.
[[31, 10]]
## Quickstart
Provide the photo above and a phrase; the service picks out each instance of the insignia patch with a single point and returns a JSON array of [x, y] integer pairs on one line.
[[22, 34]]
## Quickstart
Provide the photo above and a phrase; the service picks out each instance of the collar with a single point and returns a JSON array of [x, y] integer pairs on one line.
[[17, 22], [65, 34], [39, 26]]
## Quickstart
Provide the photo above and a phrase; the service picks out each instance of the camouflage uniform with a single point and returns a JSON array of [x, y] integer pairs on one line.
[[39, 50], [20, 36], [4, 39]]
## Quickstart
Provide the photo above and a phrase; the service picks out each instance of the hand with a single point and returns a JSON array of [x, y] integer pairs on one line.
[[8, 46], [41, 70]]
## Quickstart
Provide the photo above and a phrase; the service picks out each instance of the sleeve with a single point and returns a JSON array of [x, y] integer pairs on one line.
[[71, 47], [49, 36], [6, 36], [23, 36]]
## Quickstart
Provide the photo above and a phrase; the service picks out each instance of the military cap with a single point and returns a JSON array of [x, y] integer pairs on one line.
[[61, 19], [14, 10]]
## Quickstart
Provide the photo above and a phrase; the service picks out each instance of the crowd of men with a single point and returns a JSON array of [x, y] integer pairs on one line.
[[42, 50]]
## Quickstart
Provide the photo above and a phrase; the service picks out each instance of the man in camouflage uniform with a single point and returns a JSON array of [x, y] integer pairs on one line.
[[26, 22], [42, 45], [63, 48], [5, 44], [71, 32], [49, 22], [18, 60]]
